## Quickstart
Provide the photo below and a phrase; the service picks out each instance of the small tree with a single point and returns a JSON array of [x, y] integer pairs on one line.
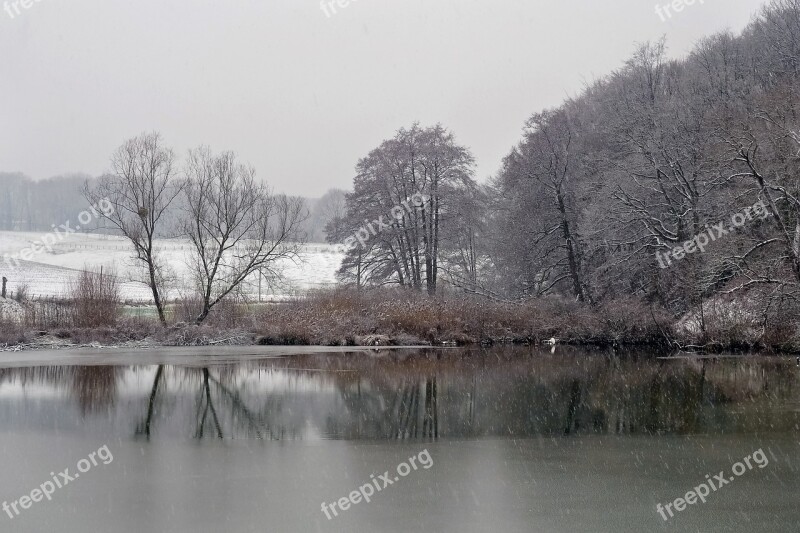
[[140, 191], [236, 227]]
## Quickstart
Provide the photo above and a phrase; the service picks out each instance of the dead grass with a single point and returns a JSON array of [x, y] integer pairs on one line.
[[234, 312], [340, 317], [11, 332], [343, 317]]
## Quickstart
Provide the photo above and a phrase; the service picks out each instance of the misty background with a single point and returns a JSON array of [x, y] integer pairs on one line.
[[300, 95]]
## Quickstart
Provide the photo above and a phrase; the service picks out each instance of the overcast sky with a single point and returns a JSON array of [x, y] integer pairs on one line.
[[301, 95]]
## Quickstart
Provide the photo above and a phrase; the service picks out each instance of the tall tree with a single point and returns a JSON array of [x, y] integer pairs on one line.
[[236, 226], [141, 190], [404, 193], [537, 186]]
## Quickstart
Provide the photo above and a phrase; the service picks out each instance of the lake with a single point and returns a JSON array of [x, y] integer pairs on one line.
[[461, 440]]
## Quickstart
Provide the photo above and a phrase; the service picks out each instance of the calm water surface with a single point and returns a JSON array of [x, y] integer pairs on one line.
[[505, 440]]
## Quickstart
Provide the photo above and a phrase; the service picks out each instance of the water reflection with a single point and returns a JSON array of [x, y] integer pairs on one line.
[[422, 395], [243, 421]]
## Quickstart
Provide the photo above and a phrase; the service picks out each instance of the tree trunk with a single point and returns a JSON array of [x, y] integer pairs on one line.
[[156, 297], [577, 285], [435, 244], [203, 314], [151, 403]]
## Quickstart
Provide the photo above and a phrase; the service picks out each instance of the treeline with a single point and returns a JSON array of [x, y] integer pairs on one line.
[[28, 205], [31, 205], [639, 164]]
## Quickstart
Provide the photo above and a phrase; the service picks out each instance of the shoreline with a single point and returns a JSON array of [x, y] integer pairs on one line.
[[178, 355], [393, 317], [199, 356], [660, 350]]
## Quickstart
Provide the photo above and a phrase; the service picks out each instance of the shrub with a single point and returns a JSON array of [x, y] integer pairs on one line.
[[11, 332], [48, 313], [21, 295], [95, 298]]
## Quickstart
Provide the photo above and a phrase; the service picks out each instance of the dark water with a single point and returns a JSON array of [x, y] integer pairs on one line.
[[503, 440]]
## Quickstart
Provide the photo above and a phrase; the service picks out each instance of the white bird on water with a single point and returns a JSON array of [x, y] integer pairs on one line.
[[552, 341]]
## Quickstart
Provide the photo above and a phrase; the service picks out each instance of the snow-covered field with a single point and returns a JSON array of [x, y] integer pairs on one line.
[[48, 273]]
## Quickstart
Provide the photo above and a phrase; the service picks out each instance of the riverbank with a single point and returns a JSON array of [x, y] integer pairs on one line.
[[404, 318]]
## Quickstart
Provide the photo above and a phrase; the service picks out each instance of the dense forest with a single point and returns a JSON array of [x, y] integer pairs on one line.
[[670, 181]]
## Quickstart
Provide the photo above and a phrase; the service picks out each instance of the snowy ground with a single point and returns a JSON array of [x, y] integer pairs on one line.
[[48, 273]]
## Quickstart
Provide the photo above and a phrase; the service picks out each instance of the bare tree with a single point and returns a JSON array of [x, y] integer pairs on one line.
[[538, 187], [237, 228], [141, 190]]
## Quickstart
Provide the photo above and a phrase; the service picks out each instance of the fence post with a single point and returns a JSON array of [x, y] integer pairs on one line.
[[3, 294]]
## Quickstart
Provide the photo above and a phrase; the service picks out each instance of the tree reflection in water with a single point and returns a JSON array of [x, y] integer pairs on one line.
[[205, 404], [95, 387], [426, 395]]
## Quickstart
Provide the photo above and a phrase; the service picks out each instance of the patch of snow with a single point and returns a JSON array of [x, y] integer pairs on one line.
[[49, 272]]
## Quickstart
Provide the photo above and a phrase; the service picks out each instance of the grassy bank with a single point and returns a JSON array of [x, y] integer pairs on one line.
[[403, 317], [393, 317]]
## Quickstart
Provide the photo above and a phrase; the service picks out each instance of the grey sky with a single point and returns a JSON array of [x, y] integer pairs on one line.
[[301, 95]]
